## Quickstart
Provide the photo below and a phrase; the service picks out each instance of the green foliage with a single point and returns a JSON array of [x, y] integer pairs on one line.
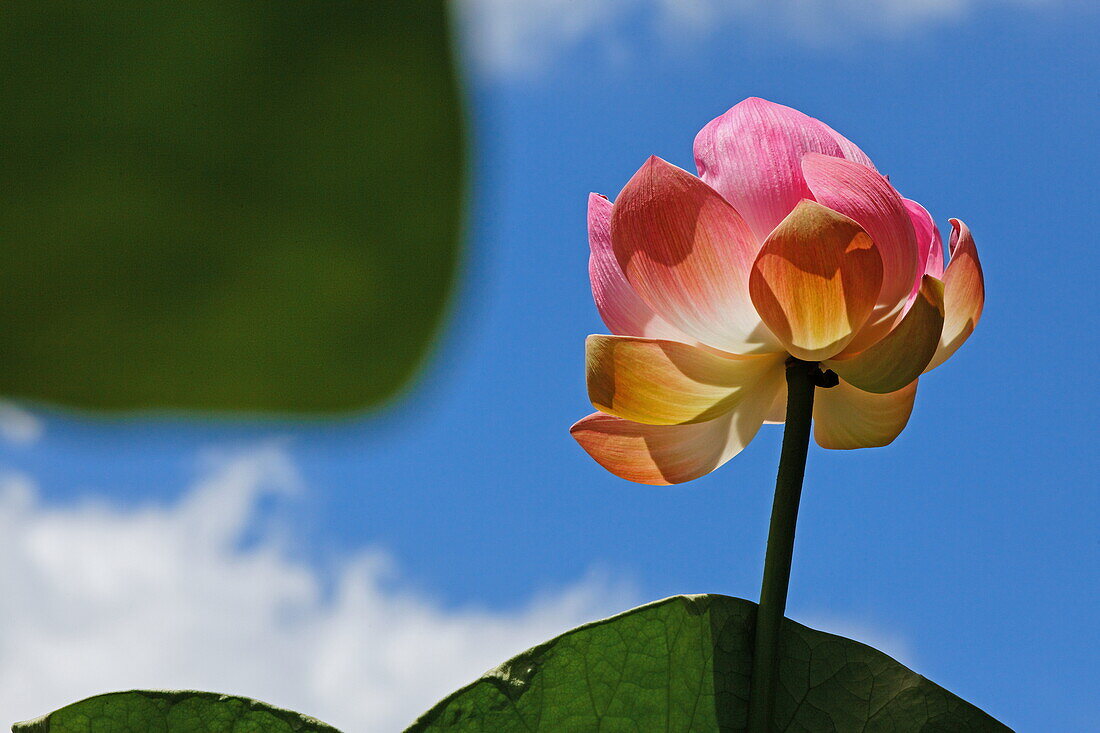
[[224, 204], [143, 711], [683, 664]]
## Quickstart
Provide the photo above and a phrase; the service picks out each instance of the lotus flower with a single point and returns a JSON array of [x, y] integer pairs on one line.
[[788, 243]]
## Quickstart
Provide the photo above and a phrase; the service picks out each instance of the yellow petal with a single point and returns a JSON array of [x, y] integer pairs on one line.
[[669, 383], [901, 355], [777, 413], [963, 294], [815, 281], [672, 454], [846, 417]]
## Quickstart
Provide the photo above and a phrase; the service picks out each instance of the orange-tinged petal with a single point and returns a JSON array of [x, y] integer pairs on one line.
[[672, 454], [687, 253], [963, 293], [901, 356], [815, 281], [669, 383], [846, 417], [868, 198]]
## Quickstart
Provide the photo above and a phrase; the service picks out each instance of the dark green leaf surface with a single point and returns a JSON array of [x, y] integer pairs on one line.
[[142, 711], [683, 664], [224, 204]]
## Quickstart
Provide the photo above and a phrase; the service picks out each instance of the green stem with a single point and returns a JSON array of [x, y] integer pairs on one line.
[[777, 561]]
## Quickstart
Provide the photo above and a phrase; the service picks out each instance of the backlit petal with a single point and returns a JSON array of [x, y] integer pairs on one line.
[[963, 293], [815, 281], [619, 306], [669, 383], [751, 156], [846, 417], [901, 356], [672, 454], [868, 198], [687, 254], [777, 413]]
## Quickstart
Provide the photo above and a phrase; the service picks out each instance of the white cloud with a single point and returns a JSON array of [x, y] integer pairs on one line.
[[98, 598], [18, 426], [517, 36], [869, 633], [509, 38]]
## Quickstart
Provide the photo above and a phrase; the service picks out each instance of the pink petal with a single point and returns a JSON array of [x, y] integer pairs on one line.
[[621, 309], [847, 418], [929, 243], [751, 156], [964, 293], [687, 254], [815, 281], [868, 198], [672, 454], [849, 149], [669, 383]]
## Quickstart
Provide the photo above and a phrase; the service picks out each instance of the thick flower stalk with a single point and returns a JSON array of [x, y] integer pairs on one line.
[[788, 247]]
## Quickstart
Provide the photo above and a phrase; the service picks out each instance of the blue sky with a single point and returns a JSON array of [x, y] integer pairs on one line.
[[969, 548]]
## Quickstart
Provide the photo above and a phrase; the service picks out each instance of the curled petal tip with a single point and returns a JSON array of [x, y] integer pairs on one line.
[[964, 293]]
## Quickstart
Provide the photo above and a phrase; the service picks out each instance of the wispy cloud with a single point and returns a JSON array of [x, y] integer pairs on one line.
[[97, 598], [19, 426], [869, 633], [509, 38]]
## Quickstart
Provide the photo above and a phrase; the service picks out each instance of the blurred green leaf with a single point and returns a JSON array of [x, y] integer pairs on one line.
[[683, 664], [143, 711], [224, 204]]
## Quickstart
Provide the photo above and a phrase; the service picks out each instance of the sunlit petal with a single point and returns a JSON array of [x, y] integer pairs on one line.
[[672, 454], [669, 383], [815, 281], [687, 254]]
